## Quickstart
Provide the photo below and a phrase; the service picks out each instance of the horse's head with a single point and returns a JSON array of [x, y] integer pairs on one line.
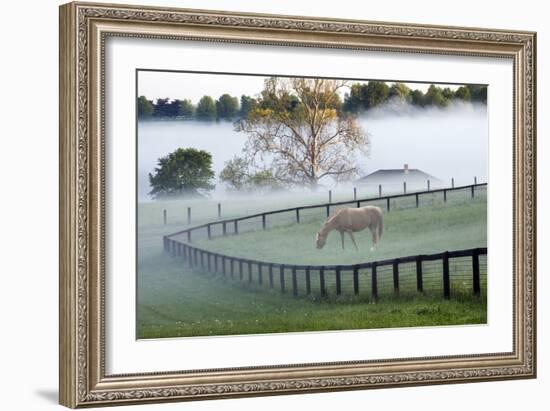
[[320, 240]]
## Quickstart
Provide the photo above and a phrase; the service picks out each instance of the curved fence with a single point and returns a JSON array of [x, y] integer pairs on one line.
[[463, 270]]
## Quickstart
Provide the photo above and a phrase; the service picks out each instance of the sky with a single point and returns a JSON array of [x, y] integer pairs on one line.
[[177, 85]]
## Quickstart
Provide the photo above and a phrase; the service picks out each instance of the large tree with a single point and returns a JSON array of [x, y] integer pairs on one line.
[[237, 175], [400, 92], [297, 131], [206, 109], [186, 109], [145, 107], [182, 172], [227, 107]]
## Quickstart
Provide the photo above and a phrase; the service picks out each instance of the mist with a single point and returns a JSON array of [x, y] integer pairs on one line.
[[450, 142]]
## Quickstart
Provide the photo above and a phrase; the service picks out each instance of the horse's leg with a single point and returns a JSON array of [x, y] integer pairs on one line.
[[353, 239], [342, 237], [374, 239]]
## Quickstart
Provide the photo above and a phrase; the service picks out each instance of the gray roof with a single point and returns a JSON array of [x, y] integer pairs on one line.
[[398, 175]]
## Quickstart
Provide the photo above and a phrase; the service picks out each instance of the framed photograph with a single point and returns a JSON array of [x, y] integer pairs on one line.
[[259, 204]]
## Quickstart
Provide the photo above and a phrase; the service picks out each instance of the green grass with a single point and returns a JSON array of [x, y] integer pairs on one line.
[[175, 301], [425, 230]]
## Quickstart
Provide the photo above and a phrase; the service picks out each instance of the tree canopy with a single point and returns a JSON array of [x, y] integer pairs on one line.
[[358, 98], [238, 176], [227, 107], [186, 171], [206, 109], [298, 134]]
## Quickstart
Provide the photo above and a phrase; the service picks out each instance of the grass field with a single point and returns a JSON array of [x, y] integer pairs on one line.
[[175, 301]]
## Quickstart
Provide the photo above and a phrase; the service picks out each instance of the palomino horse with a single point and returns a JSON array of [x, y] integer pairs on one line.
[[350, 220]]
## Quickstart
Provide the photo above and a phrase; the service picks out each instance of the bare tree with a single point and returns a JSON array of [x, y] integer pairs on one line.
[[298, 131]]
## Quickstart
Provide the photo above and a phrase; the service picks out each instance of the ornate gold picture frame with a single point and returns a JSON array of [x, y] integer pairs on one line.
[[84, 31]]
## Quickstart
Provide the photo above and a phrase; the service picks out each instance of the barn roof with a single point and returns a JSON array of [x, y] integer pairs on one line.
[[411, 174]]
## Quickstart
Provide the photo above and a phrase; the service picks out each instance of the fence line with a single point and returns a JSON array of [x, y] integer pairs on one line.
[[327, 206], [301, 275], [213, 262]]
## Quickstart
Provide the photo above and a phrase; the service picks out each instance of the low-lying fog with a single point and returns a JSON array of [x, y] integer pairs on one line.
[[445, 143]]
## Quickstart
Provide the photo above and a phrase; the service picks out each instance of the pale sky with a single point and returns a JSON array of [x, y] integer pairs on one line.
[[175, 85]]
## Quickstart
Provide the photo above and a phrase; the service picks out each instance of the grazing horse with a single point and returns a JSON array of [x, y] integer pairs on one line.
[[350, 220]]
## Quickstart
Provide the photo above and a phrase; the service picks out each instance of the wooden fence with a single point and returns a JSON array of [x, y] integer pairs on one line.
[[298, 279], [231, 226]]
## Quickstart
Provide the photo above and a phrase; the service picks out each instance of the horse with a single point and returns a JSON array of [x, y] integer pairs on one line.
[[350, 220]]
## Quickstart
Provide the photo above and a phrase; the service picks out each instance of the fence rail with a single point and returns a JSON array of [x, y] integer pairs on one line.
[[225, 223], [301, 274], [338, 279]]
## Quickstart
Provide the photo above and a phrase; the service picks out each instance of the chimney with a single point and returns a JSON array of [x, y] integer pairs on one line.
[[406, 168]]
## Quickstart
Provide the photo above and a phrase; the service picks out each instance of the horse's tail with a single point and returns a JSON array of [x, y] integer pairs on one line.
[[380, 225]]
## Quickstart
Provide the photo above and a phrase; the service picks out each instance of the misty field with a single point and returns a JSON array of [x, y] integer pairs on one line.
[[176, 301]]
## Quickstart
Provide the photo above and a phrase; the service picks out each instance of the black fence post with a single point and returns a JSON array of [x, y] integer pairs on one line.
[[330, 196], [338, 275], [374, 283], [202, 259], [446, 277], [232, 267], [215, 262], [452, 183], [165, 218], [473, 191], [209, 231], [355, 193], [219, 210], [404, 187], [358, 204], [270, 275], [294, 282], [298, 215], [419, 280], [428, 185], [223, 266], [236, 227], [165, 243], [240, 270], [379, 190], [260, 275], [475, 180], [388, 204], [396, 277], [475, 273], [328, 210], [416, 195], [184, 252], [308, 281], [263, 221], [444, 196], [322, 281], [224, 228], [190, 257], [188, 215], [282, 278], [249, 272], [208, 261], [189, 236], [356, 280]]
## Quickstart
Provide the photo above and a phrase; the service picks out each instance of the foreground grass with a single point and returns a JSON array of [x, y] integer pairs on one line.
[[180, 303], [174, 301]]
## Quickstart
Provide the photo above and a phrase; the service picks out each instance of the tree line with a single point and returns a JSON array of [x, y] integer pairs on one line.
[[299, 132], [360, 98]]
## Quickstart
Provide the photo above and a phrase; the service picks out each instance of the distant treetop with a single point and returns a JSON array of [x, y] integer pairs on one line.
[[360, 98]]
